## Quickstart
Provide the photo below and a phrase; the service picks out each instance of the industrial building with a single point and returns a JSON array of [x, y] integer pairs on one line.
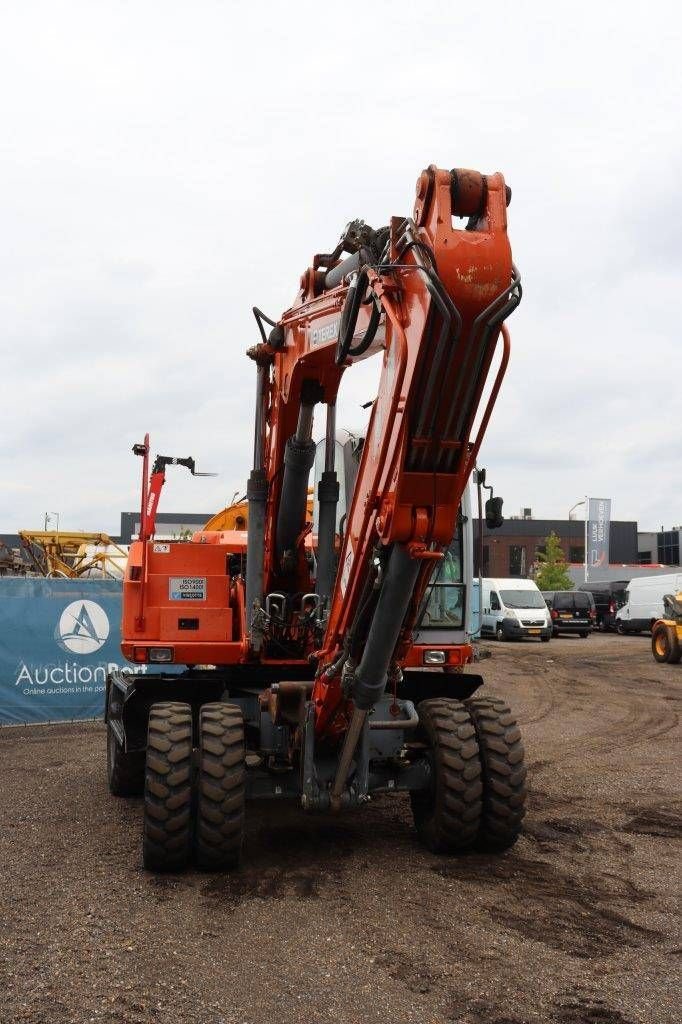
[[511, 549], [662, 546]]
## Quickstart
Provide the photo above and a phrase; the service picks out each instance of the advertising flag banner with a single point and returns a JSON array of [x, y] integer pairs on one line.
[[598, 527]]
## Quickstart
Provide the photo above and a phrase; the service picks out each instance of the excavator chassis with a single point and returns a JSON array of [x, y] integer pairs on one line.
[[272, 719], [459, 756]]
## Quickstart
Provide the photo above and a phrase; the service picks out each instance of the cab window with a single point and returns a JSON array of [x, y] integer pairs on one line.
[[443, 606], [495, 605]]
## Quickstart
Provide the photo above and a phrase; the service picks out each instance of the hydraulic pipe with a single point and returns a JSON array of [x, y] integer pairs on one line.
[[261, 381], [350, 743], [336, 275], [328, 496], [257, 495], [394, 599], [372, 672], [299, 455]]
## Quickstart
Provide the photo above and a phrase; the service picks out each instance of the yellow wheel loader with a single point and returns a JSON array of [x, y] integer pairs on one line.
[[666, 635]]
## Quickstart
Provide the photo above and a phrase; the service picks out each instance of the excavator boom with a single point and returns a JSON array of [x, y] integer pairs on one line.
[[432, 297]]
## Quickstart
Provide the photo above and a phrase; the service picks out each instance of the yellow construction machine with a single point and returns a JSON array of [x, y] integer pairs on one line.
[[56, 553], [666, 634]]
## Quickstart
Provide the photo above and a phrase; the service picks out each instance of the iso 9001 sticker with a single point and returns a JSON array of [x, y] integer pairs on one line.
[[187, 588]]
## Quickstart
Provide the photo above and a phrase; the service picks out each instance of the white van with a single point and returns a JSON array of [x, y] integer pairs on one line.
[[644, 601], [514, 608]]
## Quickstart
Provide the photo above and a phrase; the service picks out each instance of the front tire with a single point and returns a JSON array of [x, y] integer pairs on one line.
[[499, 633], [503, 772], [219, 828], [447, 815], [167, 827]]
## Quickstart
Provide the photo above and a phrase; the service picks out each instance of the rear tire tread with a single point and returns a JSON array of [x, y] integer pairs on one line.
[[503, 772], [219, 827], [447, 818], [167, 829]]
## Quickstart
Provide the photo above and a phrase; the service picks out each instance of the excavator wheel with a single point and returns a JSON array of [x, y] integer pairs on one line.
[[125, 772], [167, 829], [665, 646], [503, 772], [219, 826], [447, 816]]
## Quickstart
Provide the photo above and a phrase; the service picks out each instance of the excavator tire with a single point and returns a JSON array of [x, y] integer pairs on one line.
[[219, 826], [447, 816], [503, 773], [665, 646], [167, 829], [125, 772]]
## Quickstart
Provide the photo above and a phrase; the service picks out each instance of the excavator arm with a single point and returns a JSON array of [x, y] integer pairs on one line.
[[431, 297]]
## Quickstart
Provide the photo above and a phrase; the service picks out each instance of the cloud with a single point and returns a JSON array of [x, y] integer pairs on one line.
[[159, 176]]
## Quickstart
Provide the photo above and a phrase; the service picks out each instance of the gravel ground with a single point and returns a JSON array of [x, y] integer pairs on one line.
[[348, 919]]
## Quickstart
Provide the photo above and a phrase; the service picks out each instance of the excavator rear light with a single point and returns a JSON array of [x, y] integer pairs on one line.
[[161, 654], [140, 654], [434, 657]]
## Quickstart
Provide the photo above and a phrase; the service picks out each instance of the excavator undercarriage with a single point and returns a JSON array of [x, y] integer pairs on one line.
[[293, 643]]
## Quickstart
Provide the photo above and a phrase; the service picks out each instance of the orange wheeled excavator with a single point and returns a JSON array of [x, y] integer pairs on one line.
[[297, 671]]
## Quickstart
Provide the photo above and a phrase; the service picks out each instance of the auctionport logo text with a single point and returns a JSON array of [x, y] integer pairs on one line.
[[83, 627]]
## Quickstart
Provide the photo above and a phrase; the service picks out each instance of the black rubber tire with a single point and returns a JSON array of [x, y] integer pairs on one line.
[[583, 635], [620, 629], [167, 828], [125, 772], [545, 639], [447, 816], [499, 633], [665, 646], [503, 772], [220, 784]]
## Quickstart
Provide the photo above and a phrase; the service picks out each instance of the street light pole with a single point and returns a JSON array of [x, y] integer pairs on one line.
[[51, 515], [572, 509]]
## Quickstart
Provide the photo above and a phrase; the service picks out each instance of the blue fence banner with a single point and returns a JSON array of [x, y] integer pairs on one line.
[[58, 640]]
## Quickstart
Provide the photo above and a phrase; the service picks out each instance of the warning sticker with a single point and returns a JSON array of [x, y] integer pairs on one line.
[[161, 549], [345, 574], [187, 588]]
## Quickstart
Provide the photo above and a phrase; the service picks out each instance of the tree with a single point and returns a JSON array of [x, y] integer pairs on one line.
[[552, 574]]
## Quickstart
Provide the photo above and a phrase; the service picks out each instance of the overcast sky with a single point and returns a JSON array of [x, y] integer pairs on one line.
[[165, 166]]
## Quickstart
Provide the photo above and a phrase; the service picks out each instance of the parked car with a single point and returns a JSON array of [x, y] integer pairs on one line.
[[609, 596], [644, 601], [572, 611], [513, 608]]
